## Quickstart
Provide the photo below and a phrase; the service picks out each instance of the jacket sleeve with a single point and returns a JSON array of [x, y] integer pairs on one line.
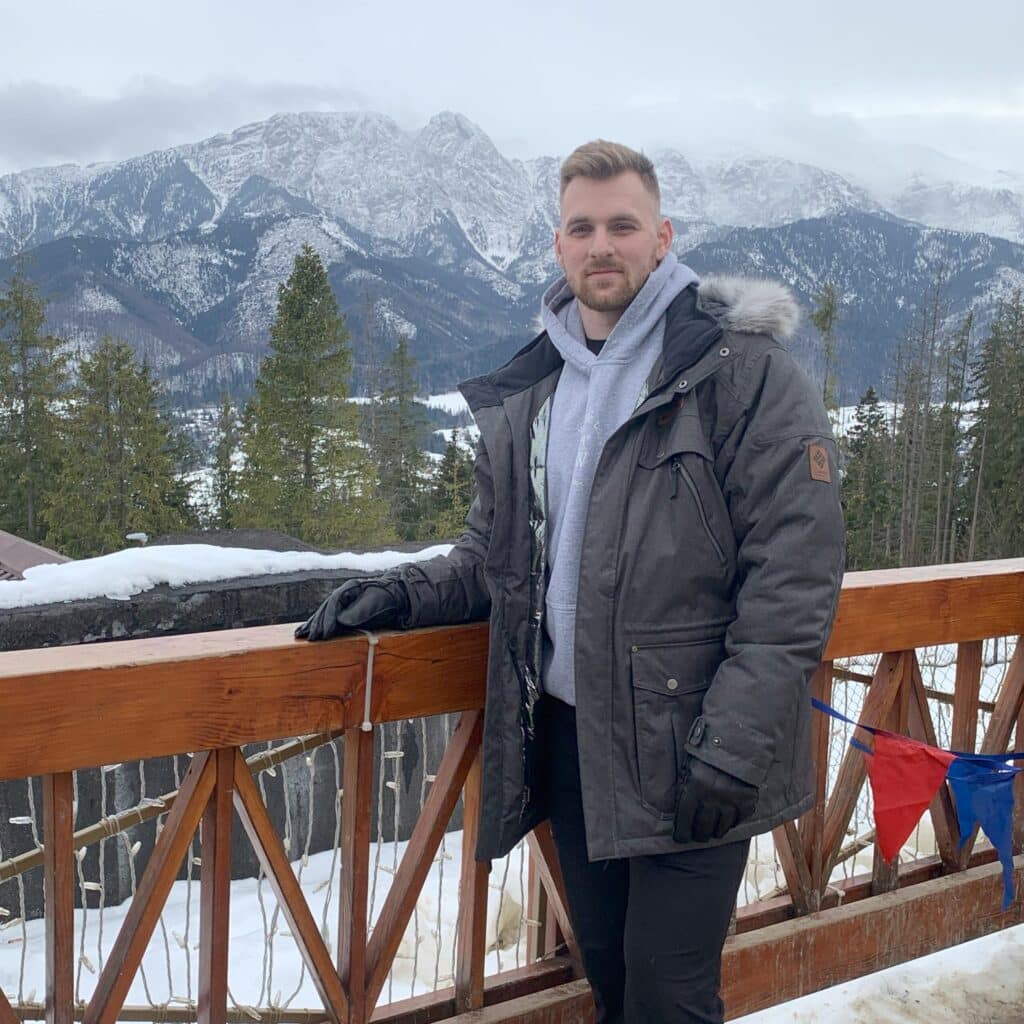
[[449, 589], [781, 484]]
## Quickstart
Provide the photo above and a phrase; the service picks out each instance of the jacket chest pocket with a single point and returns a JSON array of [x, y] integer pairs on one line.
[[682, 457], [669, 683]]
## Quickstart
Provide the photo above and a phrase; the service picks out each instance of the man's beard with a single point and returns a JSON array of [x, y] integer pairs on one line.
[[604, 299]]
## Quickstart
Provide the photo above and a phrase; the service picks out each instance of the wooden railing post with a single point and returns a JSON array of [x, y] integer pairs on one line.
[[215, 891], [1008, 711], [964, 733], [1018, 789], [472, 921], [812, 825], [357, 791], [885, 876], [59, 895], [7, 1015]]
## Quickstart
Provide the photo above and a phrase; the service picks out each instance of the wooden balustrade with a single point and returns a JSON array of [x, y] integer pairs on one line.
[[70, 708]]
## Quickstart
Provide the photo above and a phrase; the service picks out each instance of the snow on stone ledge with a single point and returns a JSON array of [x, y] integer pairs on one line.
[[120, 575]]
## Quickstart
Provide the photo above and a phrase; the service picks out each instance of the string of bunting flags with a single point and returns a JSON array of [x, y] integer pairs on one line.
[[905, 775]]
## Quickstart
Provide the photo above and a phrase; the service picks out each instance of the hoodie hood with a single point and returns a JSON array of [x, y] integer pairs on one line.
[[560, 316]]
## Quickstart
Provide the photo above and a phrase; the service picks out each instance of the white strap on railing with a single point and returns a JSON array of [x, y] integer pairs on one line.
[[372, 639]]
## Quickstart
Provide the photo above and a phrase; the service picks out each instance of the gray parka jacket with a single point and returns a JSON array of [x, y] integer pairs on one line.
[[711, 567]]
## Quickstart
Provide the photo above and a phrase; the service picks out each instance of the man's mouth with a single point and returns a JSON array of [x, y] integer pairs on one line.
[[603, 270]]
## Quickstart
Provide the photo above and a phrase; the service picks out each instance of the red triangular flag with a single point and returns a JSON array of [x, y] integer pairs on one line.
[[905, 776]]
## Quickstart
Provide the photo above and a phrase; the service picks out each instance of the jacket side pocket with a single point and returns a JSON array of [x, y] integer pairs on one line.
[[669, 683]]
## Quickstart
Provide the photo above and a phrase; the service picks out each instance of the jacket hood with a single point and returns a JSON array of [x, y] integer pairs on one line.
[[750, 305]]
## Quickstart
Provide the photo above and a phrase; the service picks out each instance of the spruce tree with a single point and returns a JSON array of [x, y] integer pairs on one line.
[[305, 471], [996, 458], [224, 473], [399, 435], [453, 491], [125, 467], [33, 380], [866, 496]]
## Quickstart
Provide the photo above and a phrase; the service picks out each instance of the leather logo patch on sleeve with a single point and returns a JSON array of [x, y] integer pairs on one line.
[[818, 455]]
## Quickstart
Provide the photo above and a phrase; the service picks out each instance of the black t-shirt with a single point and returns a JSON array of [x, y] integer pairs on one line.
[[595, 345]]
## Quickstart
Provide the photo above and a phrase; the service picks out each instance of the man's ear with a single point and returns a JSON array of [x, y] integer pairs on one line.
[[558, 248], [665, 235]]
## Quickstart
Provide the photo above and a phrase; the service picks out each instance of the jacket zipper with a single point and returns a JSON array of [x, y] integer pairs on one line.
[[679, 470]]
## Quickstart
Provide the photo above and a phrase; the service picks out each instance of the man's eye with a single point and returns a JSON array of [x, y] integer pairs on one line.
[[579, 229], [622, 227]]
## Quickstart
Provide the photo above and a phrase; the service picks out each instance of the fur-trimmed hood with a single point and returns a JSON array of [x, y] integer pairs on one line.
[[750, 305]]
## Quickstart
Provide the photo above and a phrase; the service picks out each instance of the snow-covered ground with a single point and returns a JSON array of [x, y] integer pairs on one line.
[[980, 982], [134, 570], [262, 973]]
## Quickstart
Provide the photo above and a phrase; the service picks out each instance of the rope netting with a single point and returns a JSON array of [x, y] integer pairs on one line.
[[120, 809]]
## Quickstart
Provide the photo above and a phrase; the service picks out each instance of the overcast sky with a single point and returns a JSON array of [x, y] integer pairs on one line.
[[848, 84]]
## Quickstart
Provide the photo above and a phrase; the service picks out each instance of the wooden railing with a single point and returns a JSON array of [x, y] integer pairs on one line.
[[69, 708]]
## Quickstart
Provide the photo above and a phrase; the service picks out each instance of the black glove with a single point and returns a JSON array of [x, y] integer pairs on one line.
[[374, 603], [710, 802]]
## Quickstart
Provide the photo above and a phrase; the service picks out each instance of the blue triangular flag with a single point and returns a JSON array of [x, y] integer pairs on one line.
[[984, 796]]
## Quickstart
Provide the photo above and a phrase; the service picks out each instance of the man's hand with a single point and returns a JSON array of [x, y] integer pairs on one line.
[[374, 603], [710, 802]]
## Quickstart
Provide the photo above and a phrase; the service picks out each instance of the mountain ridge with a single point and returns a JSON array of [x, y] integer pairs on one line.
[[437, 235]]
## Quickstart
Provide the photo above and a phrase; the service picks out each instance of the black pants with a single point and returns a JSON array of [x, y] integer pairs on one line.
[[650, 929]]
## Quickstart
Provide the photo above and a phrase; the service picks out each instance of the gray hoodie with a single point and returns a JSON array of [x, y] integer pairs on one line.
[[596, 394]]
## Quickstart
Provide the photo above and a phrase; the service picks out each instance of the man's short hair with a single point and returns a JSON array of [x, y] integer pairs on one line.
[[601, 160]]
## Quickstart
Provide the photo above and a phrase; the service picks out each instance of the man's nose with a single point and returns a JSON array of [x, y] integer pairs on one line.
[[600, 242]]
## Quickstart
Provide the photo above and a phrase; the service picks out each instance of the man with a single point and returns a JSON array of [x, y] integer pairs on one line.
[[658, 542]]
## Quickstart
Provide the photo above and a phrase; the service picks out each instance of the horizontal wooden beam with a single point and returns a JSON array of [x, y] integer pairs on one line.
[[95, 704], [77, 707], [900, 609], [776, 909], [425, 1009], [784, 961], [570, 1003]]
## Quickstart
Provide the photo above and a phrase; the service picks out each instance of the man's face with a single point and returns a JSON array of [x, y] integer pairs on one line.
[[610, 238]]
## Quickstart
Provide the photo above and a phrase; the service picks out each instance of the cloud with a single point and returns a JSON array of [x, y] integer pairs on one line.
[[43, 124]]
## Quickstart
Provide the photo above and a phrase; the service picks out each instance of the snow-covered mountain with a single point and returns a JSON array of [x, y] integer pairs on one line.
[[365, 171], [434, 234]]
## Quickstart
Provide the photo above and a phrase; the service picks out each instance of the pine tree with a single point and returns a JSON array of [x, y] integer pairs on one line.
[[825, 317], [125, 469], [224, 473], [305, 471], [949, 434], [917, 441], [33, 380], [453, 490], [996, 458], [866, 495], [399, 435]]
